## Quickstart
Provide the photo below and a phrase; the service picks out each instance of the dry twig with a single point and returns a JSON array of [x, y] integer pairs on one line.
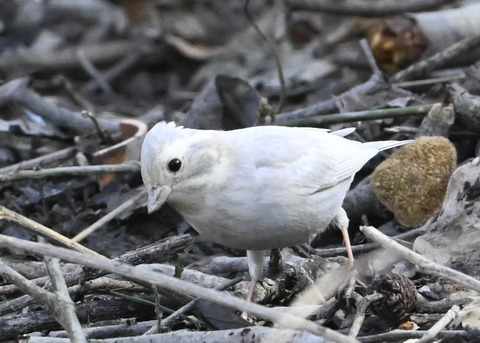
[[276, 56], [130, 167], [362, 304], [329, 119], [254, 334], [440, 325], [125, 206], [38, 161], [59, 303], [158, 252], [39, 229], [425, 67], [174, 284], [403, 335], [422, 263], [175, 315], [17, 91], [364, 8], [68, 318]]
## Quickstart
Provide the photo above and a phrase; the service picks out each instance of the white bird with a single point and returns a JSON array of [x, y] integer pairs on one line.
[[257, 188]]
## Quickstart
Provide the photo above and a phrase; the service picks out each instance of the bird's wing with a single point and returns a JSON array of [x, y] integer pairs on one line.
[[343, 132], [311, 159]]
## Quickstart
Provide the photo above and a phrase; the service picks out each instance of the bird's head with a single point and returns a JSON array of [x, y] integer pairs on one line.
[[176, 162]]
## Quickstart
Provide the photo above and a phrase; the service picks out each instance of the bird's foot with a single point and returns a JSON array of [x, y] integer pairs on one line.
[[346, 289], [251, 289], [351, 280]]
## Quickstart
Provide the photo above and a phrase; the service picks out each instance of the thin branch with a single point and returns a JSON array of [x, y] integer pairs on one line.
[[182, 310], [37, 161], [39, 229], [424, 264], [242, 335], [362, 304], [364, 248], [367, 51], [129, 167], [66, 311], [124, 64], [402, 335], [329, 119], [125, 206], [428, 82], [159, 251], [93, 72], [440, 325], [66, 58], [273, 48], [60, 307], [17, 91], [364, 8], [175, 284], [98, 129], [425, 67], [25, 285]]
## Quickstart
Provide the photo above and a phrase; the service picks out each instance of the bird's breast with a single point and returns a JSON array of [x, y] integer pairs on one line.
[[261, 222]]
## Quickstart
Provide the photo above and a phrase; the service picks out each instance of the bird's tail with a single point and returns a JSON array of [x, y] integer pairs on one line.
[[384, 145]]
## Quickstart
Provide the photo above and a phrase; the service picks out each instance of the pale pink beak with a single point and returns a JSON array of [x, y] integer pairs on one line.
[[157, 196]]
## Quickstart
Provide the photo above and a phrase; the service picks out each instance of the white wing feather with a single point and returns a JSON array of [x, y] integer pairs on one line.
[[311, 159]]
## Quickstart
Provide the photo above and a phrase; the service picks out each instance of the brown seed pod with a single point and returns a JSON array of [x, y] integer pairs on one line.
[[412, 182], [395, 42], [399, 296]]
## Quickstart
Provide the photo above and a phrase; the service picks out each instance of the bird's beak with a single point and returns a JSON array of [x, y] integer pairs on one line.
[[157, 196]]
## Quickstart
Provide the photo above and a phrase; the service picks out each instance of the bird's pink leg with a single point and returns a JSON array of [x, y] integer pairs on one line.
[[341, 221], [348, 246], [255, 268]]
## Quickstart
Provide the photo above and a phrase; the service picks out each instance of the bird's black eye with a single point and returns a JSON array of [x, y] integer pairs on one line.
[[174, 165]]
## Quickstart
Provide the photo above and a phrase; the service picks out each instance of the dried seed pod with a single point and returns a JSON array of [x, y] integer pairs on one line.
[[412, 182], [395, 42], [399, 295]]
